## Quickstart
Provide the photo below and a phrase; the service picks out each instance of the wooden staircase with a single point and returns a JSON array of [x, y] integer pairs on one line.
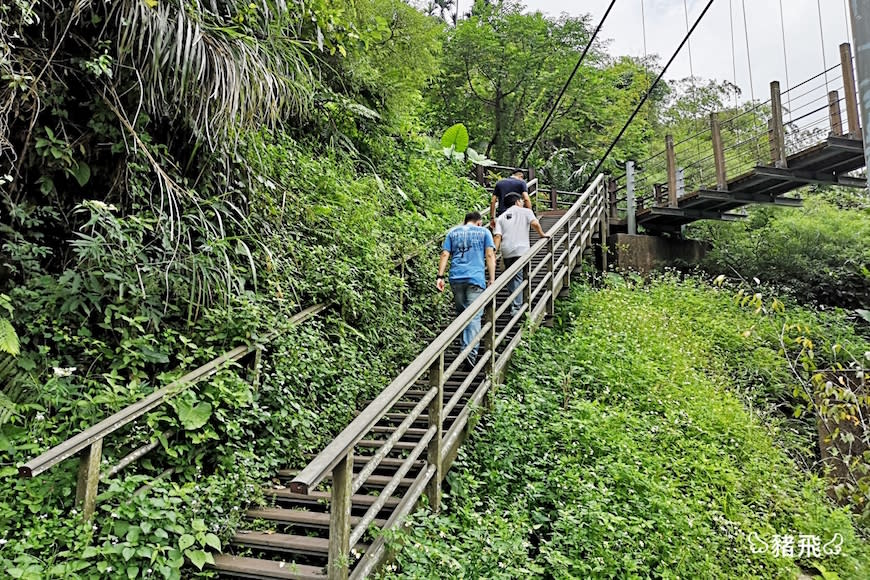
[[399, 451]]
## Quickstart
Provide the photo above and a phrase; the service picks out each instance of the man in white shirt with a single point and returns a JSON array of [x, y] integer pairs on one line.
[[512, 236]]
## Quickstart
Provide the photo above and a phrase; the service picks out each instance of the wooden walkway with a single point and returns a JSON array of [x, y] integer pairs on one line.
[[322, 521]]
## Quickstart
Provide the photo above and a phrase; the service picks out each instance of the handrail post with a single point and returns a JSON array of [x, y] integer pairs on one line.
[[339, 518], [631, 209], [834, 113], [718, 153], [778, 151], [436, 379], [254, 368], [527, 291], [478, 174], [854, 120], [551, 268], [602, 235], [569, 269], [672, 171], [554, 198], [489, 338], [89, 478], [611, 190]]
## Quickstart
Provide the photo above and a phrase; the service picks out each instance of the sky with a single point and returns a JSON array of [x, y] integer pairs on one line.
[[711, 44]]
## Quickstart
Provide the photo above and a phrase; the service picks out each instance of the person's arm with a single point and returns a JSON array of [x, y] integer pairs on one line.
[[527, 200], [442, 267], [490, 265], [497, 239], [492, 203], [536, 225]]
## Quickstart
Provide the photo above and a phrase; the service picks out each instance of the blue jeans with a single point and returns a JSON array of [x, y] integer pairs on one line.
[[463, 295], [514, 284]]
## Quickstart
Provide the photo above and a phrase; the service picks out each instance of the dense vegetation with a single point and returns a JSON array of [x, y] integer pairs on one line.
[[820, 253], [178, 178], [621, 446]]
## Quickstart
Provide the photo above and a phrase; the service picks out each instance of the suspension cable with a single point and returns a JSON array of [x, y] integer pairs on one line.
[[748, 59], [822, 39], [647, 95], [643, 27], [549, 118], [785, 56], [733, 50]]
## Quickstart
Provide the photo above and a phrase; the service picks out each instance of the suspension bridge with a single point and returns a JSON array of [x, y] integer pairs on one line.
[[328, 519], [807, 134]]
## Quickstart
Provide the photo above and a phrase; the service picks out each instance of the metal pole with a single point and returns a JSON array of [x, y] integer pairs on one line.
[[860, 10], [631, 211]]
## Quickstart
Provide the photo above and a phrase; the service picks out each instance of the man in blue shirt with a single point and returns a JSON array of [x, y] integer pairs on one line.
[[504, 187], [468, 247]]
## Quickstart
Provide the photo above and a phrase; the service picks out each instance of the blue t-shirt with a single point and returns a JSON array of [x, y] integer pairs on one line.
[[505, 187], [467, 246]]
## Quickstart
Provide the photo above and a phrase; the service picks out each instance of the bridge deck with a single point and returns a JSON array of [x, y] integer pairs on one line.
[[824, 163]]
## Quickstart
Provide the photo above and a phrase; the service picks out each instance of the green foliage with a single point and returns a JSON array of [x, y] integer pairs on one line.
[[455, 138], [818, 253], [620, 446], [502, 71]]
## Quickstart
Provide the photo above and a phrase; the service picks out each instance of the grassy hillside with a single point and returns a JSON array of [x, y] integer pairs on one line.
[[622, 445]]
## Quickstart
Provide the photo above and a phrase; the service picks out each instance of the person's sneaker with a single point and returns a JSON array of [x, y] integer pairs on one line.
[[469, 363], [514, 312]]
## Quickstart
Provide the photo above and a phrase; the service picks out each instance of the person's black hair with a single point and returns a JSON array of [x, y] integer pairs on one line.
[[473, 216], [512, 199], [518, 170]]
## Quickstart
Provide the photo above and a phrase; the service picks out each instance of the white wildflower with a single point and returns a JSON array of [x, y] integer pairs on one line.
[[63, 371]]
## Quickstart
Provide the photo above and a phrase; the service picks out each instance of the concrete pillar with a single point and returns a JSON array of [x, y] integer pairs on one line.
[[860, 10]]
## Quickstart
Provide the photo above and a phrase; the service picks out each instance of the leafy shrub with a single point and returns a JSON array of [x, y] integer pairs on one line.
[[619, 447], [819, 253]]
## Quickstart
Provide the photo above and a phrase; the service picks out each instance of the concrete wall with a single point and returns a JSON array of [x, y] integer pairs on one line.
[[647, 253]]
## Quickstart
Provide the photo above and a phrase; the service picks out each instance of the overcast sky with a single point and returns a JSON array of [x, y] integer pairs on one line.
[[711, 46]]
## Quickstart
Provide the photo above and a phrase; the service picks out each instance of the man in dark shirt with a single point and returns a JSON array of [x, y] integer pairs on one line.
[[513, 184]]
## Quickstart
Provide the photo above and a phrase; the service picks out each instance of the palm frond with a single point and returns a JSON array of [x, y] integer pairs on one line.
[[198, 65]]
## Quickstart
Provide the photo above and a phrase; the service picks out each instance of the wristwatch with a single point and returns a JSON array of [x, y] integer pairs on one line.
[[439, 277]]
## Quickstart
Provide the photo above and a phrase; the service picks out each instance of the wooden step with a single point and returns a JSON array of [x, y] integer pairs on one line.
[[243, 567], [415, 431], [376, 443], [380, 480], [316, 497], [282, 542], [300, 517]]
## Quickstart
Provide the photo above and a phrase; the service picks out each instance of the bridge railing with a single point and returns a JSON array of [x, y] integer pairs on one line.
[[88, 444], [555, 258], [761, 133]]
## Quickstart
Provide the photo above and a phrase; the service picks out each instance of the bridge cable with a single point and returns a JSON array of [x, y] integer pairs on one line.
[[733, 52], [643, 27], [785, 56], [698, 121], [647, 95], [549, 118], [822, 38], [748, 59]]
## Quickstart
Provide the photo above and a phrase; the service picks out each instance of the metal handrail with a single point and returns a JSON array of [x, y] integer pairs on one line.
[[558, 256], [321, 465], [91, 439]]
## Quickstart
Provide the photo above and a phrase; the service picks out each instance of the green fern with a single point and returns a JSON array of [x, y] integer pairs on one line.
[[8, 338]]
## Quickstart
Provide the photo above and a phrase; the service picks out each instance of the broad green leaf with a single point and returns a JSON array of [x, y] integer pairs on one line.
[[213, 541], [197, 557], [185, 541], [128, 553], [82, 173], [193, 417], [132, 571], [456, 138], [199, 525]]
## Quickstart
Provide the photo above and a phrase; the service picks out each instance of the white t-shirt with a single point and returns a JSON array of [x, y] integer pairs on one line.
[[513, 227]]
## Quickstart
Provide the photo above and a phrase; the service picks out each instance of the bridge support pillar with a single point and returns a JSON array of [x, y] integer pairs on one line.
[[631, 210], [777, 137], [861, 31], [672, 170]]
